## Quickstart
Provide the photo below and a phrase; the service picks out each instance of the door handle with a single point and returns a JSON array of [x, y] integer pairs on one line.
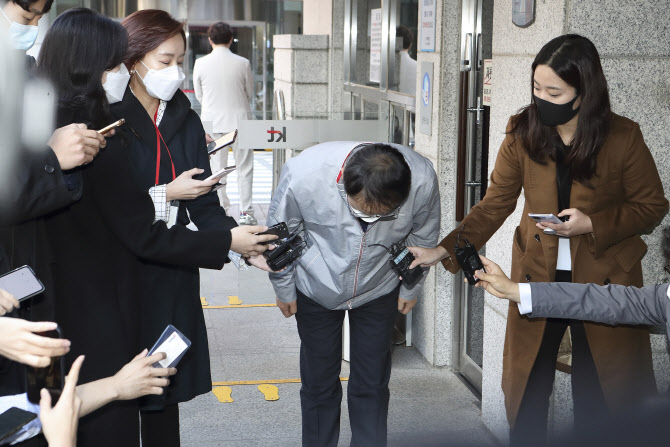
[[467, 54], [480, 61]]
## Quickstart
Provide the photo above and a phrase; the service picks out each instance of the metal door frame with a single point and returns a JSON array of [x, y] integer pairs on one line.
[[470, 66]]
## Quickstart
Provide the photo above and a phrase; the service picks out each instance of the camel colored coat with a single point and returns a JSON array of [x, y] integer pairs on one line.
[[626, 200]]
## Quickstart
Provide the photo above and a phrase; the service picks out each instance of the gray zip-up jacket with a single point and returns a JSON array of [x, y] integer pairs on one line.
[[612, 304], [342, 267]]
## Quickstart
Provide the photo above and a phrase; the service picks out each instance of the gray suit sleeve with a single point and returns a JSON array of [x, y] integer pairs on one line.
[[612, 304]]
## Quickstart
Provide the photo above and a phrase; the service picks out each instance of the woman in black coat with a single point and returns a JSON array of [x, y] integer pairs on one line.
[[98, 241], [172, 293]]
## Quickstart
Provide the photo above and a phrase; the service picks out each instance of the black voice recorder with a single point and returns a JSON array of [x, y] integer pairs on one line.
[[401, 259], [286, 250], [468, 259]]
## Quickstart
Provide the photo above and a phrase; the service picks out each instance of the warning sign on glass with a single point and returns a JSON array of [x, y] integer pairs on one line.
[[427, 19], [487, 93]]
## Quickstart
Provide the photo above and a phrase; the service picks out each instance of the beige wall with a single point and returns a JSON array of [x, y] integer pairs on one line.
[[317, 16]]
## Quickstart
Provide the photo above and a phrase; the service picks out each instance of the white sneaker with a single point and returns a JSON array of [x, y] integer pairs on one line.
[[247, 219]]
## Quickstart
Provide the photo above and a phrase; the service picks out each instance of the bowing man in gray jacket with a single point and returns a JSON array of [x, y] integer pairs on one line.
[[354, 201]]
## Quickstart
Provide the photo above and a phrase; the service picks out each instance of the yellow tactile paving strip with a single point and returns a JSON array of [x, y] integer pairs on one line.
[[223, 390], [234, 302], [261, 382], [239, 306]]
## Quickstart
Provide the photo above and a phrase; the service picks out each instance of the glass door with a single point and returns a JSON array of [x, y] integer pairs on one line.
[[249, 41], [472, 174]]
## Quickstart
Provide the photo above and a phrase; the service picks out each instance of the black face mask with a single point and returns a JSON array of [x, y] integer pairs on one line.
[[551, 114]]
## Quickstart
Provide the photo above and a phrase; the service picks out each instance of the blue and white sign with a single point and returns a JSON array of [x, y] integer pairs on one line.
[[426, 105], [427, 21], [425, 89]]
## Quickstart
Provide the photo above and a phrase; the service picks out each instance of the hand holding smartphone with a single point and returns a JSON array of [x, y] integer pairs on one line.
[[51, 377], [22, 283], [221, 142], [174, 344], [221, 173], [545, 218]]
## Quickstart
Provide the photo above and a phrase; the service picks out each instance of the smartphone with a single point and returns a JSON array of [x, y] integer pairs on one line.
[[545, 218], [22, 283], [222, 173], [221, 142], [118, 123], [12, 420], [51, 377], [280, 230], [218, 186], [174, 344]]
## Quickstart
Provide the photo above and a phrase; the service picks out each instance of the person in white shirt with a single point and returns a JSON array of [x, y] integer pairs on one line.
[[224, 86], [407, 72]]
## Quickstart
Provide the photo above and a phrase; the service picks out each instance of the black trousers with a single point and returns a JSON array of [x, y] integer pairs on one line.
[[530, 428], [320, 330], [160, 428]]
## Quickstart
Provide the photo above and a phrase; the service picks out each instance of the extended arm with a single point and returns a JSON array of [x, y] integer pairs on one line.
[[37, 187], [129, 214], [500, 201], [612, 304]]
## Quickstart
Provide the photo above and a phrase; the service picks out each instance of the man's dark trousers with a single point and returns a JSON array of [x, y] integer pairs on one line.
[[320, 330]]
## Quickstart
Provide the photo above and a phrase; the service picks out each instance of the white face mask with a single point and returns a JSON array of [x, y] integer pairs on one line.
[[163, 84], [116, 83], [363, 216], [23, 36]]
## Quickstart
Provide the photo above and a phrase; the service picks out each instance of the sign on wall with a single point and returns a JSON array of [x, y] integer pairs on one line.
[[427, 17], [487, 93], [297, 134], [426, 100], [375, 45]]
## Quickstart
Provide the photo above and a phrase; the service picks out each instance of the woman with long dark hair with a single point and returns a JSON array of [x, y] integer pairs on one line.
[[574, 158], [99, 240]]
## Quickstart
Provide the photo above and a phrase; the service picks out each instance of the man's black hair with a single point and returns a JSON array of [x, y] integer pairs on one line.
[[220, 33], [406, 34], [26, 4], [378, 175]]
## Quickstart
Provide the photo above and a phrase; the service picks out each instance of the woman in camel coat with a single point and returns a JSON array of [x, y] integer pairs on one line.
[[576, 159]]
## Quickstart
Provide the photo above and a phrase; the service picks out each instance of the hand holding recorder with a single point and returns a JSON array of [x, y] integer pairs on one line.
[[495, 282], [247, 242]]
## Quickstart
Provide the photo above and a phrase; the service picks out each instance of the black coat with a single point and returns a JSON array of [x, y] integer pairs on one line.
[[98, 243], [171, 293], [36, 188]]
